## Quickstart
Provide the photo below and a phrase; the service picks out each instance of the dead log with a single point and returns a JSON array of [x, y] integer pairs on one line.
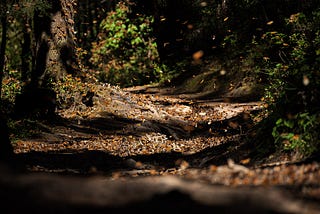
[[43, 193]]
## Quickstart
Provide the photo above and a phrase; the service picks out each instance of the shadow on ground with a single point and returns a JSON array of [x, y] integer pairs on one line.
[[88, 162]]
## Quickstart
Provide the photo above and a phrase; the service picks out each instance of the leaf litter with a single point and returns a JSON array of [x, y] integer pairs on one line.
[[126, 135]]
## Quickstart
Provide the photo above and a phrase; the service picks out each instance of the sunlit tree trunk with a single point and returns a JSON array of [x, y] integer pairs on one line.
[[54, 56], [55, 53]]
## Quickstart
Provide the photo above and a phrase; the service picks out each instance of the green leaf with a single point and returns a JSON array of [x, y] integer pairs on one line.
[[289, 123]]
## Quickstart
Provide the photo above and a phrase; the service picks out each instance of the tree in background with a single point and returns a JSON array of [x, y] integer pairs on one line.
[[6, 149], [3, 16]]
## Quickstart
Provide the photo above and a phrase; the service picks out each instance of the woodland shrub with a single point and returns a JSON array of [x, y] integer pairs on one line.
[[290, 63], [19, 46], [71, 92], [126, 52]]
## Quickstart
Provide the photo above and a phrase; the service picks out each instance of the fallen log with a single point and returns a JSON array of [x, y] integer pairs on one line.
[[47, 193]]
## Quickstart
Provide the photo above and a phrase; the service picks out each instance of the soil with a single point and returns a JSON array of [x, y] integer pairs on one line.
[[152, 132]]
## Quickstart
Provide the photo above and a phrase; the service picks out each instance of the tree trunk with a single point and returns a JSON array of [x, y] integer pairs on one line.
[[26, 52], [55, 53], [3, 46], [6, 150]]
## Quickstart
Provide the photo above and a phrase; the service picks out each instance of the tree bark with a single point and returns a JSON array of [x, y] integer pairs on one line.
[[26, 54], [6, 149], [55, 53], [3, 45]]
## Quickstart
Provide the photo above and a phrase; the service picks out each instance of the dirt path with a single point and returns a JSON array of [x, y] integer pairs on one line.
[[131, 126], [129, 134]]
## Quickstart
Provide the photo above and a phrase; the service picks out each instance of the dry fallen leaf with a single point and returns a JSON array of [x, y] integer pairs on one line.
[[198, 55]]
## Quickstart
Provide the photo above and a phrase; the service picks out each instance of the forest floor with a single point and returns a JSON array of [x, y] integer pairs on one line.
[[150, 132]]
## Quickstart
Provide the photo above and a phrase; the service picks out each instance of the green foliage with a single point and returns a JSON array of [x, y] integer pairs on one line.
[[126, 53], [299, 134], [11, 87], [291, 62], [230, 41], [19, 13]]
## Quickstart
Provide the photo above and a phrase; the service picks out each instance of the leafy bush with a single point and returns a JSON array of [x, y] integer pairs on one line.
[[11, 86], [126, 53], [299, 134], [71, 91], [291, 61]]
